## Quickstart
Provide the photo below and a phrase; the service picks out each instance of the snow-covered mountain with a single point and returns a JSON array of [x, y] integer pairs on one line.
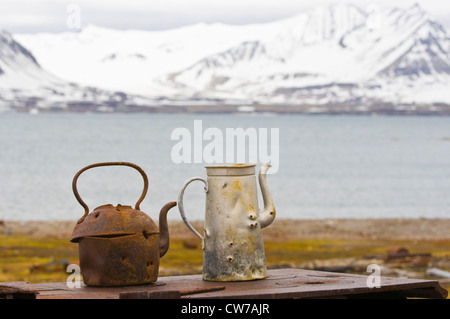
[[338, 54], [321, 58], [24, 84]]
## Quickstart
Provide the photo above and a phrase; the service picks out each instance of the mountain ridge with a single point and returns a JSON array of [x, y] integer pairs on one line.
[[390, 73], [25, 85], [326, 56]]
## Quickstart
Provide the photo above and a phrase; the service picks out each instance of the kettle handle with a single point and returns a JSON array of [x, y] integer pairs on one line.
[[181, 205], [82, 203]]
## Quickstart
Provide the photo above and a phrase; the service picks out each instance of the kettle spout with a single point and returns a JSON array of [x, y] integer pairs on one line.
[[164, 229], [267, 215]]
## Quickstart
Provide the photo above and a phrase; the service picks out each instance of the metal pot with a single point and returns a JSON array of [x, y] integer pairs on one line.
[[120, 245]]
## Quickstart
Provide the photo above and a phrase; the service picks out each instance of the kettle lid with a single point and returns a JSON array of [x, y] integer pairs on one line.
[[114, 221]]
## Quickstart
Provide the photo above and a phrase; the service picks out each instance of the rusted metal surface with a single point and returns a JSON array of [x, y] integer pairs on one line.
[[119, 261], [120, 245], [164, 239], [233, 248], [77, 175], [279, 284]]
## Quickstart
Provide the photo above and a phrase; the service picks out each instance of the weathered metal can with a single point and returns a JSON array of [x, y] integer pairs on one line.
[[233, 248], [120, 245]]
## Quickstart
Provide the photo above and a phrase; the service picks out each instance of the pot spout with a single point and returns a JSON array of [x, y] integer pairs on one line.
[[164, 229], [267, 215]]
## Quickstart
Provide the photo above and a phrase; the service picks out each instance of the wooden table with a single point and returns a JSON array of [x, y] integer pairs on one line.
[[280, 284]]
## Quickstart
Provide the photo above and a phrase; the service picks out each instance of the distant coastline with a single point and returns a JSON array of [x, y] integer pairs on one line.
[[439, 109]]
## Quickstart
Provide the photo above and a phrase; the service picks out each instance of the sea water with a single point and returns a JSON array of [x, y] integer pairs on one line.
[[329, 166]]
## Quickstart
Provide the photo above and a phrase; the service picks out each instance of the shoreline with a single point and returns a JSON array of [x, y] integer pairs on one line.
[[352, 108], [279, 230]]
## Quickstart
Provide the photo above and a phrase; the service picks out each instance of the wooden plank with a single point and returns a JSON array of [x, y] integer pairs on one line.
[[280, 284]]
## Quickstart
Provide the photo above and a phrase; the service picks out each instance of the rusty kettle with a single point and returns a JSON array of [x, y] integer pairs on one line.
[[119, 245]]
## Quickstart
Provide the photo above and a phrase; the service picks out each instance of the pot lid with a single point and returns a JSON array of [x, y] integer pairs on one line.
[[113, 221]]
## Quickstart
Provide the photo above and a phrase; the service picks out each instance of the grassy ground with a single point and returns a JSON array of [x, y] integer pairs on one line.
[[42, 259], [35, 259]]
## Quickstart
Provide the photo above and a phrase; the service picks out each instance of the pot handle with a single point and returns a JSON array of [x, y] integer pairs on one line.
[[181, 206], [82, 203]]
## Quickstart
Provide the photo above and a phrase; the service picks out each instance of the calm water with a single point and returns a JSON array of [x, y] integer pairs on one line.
[[330, 166]]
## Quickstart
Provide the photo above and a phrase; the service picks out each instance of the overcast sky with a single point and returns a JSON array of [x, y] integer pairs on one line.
[[30, 16]]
